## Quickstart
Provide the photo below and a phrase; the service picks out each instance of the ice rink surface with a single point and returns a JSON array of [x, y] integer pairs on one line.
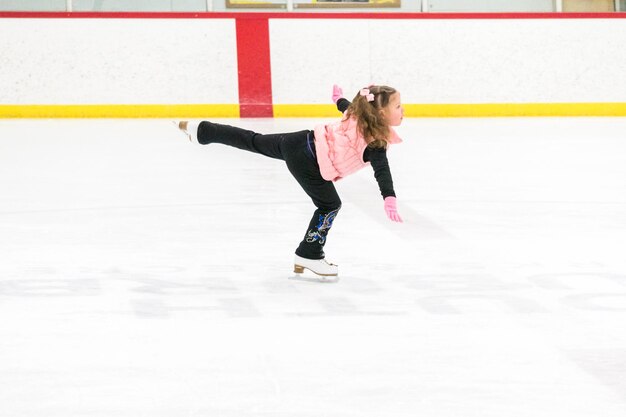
[[141, 275]]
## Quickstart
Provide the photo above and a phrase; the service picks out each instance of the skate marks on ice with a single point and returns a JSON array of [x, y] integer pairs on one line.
[[225, 291], [607, 365], [414, 226]]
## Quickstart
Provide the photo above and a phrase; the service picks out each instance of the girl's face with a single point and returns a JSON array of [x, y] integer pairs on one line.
[[394, 112]]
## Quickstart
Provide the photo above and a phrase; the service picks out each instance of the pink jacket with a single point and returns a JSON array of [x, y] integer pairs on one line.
[[339, 147]]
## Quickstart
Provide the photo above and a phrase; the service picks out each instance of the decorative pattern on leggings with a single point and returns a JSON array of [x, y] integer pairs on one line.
[[321, 230]]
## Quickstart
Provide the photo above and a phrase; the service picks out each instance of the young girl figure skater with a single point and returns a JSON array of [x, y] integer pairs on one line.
[[322, 156]]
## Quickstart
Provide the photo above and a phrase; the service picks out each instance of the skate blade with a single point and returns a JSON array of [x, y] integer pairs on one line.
[[328, 279], [300, 276]]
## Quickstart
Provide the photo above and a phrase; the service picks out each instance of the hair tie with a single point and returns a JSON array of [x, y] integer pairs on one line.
[[365, 92]]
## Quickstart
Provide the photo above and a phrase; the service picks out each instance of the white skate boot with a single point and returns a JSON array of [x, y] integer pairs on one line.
[[317, 266]]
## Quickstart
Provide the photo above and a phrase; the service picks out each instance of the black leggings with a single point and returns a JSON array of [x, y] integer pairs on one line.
[[291, 148]]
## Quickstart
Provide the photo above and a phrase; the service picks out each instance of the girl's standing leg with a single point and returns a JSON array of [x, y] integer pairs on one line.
[[305, 169], [312, 246]]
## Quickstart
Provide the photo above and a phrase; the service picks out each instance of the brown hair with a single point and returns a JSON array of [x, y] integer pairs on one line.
[[370, 122]]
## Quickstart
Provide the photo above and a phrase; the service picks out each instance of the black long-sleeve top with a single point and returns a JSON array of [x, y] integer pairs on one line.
[[378, 158]]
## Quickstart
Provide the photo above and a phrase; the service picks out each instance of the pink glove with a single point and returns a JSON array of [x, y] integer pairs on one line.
[[392, 210], [337, 93]]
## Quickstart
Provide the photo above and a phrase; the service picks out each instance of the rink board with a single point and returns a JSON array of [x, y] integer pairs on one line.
[[209, 64]]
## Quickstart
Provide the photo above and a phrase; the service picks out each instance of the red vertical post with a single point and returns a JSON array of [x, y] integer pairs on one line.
[[254, 70]]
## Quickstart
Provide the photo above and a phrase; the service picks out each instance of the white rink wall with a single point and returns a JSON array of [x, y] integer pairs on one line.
[[432, 61], [452, 61], [117, 61]]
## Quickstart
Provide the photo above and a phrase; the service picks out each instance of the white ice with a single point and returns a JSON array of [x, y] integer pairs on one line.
[[141, 275]]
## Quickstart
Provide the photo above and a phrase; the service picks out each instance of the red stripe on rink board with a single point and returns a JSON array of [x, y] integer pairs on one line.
[[308, 15], [253, 62]]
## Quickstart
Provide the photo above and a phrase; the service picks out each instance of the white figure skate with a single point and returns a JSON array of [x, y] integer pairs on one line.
[[189, 129], [318, 266]]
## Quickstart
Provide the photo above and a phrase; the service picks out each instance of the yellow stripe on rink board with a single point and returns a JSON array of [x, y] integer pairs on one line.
[[307, 110], [470, 110], [119, 110], [515, 110]]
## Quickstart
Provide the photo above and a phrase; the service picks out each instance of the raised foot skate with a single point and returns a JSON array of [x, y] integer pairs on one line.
[[324, 270], [183, 128]]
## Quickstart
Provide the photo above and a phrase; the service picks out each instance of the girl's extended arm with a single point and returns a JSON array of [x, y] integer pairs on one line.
[[382, 173], [378, 158]]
